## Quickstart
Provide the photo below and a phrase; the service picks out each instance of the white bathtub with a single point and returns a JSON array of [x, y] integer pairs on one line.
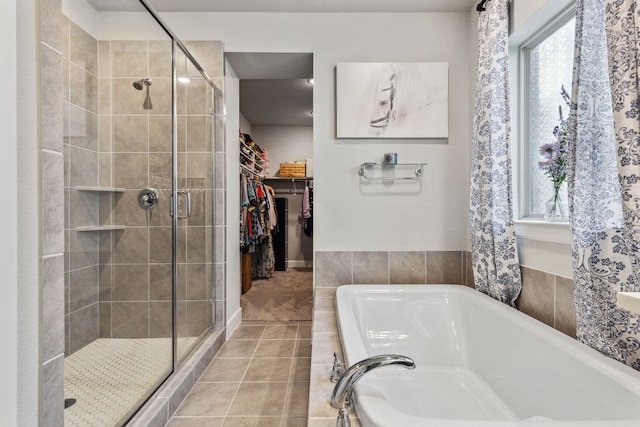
[[478, 363]]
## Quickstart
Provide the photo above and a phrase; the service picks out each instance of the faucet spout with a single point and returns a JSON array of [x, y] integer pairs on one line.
[[341, 396]]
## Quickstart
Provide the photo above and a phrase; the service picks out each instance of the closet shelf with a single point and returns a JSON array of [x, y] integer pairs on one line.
[[101, 189], [251, 160], [366, 169], [281, 178], [101, 228]]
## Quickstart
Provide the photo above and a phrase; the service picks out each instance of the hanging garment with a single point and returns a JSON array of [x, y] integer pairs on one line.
[[273, 215], [308, 228], [263, 260], [258, 219], [251, 193], [496, 268], [305, 208]]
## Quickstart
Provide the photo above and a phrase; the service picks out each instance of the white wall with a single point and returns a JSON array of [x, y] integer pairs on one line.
[[527, 16], [431, 217], [245, 125], [9, 217], [284, 143], [82, 14], [28, 221], [522, 11], [232, 103]]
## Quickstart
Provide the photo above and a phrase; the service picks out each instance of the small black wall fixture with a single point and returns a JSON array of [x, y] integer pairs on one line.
[[481, 6]]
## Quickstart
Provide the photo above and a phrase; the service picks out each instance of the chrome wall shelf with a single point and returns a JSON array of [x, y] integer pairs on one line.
[[366, 171]]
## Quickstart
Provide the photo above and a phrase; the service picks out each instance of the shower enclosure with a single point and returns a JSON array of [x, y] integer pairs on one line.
[[139, 180]]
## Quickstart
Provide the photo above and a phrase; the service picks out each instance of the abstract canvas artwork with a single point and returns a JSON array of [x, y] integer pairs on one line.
[[392, 100]]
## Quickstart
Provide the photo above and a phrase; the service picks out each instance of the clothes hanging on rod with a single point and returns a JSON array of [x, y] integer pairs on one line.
[[305, 215], [258, 221]]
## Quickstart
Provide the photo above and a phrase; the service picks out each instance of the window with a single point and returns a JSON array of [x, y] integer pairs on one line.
[[547, 61]]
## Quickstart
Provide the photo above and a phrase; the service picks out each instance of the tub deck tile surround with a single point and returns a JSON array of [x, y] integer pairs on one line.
[[537, 300], [564, 314], [407, 267], [546, 297], [370, 267]]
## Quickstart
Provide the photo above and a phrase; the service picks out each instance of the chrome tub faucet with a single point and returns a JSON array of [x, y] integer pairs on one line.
[[337, 370], [341, 396]]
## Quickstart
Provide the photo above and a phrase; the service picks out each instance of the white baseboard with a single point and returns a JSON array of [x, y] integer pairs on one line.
[[300, 264], [233, 322]]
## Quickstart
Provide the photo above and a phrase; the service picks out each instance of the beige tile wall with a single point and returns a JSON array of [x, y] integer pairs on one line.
[[118, 282], [549, 299], [81, 158], [136, 268], [52, 219]]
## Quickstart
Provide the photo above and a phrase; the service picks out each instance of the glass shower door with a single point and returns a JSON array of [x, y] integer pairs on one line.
[[118, 157], [194, 310]]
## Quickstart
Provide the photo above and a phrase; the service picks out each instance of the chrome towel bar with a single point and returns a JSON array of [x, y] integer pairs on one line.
[[366, 169]]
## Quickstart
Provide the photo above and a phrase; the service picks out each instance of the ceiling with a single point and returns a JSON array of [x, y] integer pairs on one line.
[[274, 87], [277, 102], [301, 6]]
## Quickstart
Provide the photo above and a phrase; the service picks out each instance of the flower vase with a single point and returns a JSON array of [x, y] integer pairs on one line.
[[556, 209]]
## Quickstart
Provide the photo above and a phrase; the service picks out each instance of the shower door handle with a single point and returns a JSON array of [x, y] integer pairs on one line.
[[187, 195]]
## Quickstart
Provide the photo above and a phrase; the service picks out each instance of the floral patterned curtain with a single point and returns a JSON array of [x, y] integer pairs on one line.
[[605, 243], [496, 267]]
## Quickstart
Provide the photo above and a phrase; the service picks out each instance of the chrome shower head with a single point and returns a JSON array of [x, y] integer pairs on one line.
[[140, 84]]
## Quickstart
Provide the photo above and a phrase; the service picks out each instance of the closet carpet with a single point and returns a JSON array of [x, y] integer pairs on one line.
[[286, 296]]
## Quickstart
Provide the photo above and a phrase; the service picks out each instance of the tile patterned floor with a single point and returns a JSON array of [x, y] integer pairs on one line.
[[260, 377]]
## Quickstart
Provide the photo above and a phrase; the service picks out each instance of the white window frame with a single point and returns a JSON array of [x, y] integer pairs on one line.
[[523, 176], [542, 245]]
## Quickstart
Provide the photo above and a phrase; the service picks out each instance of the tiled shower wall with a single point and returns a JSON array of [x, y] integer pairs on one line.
[[135, 153], [52, 295], [81, 148], [118, 283]]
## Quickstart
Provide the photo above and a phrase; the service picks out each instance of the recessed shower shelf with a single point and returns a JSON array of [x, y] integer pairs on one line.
[[102, 228], [101, 189]]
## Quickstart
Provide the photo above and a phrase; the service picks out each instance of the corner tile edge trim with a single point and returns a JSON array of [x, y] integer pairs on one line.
[[162, 404]]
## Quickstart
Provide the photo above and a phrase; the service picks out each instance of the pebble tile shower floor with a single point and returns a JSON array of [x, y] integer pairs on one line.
[[110, 375], [260, 377]]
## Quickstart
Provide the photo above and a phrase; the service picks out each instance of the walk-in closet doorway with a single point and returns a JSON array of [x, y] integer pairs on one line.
[[276, 184]]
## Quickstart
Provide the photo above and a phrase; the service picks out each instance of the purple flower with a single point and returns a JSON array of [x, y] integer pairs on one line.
[[554, 152]]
